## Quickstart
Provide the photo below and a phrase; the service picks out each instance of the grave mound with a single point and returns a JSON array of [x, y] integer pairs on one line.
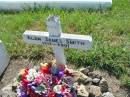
[[50, 80]]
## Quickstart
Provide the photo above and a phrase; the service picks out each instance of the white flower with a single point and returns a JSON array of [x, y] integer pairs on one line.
[[30, 77], [32, 73]]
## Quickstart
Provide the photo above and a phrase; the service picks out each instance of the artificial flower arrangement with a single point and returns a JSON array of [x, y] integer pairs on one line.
[[47, 80]]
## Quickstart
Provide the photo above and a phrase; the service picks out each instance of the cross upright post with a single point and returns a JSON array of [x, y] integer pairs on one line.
[[54, 29]]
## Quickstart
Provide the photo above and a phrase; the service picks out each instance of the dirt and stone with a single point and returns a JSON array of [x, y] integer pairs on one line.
[[89, 82]]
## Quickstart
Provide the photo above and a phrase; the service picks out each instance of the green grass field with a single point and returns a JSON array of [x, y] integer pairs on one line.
[[110, 31]]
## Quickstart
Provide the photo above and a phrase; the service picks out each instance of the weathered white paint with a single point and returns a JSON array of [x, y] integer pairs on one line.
[[22, 4], [57, 39], [4, 58], [54, 29], [64, 41]]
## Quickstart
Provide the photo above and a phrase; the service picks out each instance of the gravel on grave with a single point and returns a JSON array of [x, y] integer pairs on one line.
[[16, 65]]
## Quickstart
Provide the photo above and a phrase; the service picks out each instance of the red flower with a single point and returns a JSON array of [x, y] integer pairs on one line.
[[51, 94], [45, 68], [25, 83]]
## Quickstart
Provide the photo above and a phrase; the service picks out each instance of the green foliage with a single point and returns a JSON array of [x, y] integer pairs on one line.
[[126, 81], [110, 31]]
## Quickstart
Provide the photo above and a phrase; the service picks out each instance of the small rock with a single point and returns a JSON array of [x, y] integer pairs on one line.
[[82, 92], [84, 76], [89, 80], [91, 74], [84, 80], [85, 71], [90, 68], [98, 76], [103, 85], [107, 94], [95, 90], [95, 74], [76, 85], [80, 77], [96, 80]]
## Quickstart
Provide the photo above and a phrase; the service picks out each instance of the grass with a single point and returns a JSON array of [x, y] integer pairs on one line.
[[110, 31]]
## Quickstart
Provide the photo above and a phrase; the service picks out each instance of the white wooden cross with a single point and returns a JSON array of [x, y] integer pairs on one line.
[[57, 39]]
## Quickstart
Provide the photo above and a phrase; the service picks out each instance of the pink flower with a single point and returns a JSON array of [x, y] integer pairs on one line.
[[38, 80]]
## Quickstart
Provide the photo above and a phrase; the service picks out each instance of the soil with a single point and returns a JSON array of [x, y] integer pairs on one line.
[[16, 65]]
